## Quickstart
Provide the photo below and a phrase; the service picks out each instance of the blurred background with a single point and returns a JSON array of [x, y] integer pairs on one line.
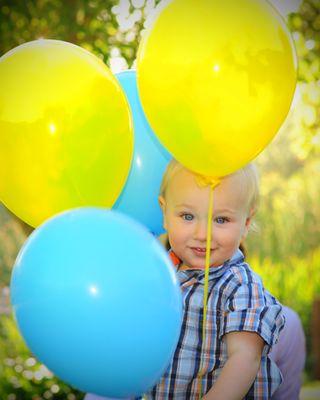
[[285, 249]]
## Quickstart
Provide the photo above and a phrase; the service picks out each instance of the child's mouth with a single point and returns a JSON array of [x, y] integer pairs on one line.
[[200, 251]]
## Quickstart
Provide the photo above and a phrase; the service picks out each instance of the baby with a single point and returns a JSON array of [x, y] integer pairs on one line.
[[243, 319]]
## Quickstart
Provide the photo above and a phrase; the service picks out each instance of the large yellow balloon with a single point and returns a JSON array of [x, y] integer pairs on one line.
[[216, 80], [66, 136]]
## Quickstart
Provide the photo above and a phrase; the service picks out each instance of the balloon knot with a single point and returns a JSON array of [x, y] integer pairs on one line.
[[211, 181]]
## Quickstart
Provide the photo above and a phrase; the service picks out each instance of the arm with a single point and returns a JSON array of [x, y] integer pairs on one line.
[[239, 372]]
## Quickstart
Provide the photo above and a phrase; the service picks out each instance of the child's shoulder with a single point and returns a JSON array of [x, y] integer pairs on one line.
[[242, 273]]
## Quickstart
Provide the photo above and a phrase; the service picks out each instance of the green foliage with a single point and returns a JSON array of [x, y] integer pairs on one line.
[[87, 23], [306, 27], [289, 211], [295, 281], [22, 376], [99, 26], [12, 235]]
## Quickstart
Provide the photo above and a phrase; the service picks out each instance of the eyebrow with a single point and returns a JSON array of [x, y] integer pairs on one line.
[[224, 210], [215, 212], [183, 205]]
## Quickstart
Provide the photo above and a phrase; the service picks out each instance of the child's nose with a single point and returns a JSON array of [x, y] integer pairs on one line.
[[200, 232]]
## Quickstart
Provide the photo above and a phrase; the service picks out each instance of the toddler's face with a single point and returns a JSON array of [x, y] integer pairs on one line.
[[185, 210]]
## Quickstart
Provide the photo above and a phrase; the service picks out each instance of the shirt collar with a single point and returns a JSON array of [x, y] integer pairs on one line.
[[199, 274]]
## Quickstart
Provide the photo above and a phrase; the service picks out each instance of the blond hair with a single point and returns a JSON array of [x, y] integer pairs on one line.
[[248, 173]]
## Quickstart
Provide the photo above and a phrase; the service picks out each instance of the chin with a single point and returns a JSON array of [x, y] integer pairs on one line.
[[196, 265]]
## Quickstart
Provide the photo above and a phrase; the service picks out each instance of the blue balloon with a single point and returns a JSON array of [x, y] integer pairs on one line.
[[139, 198], [97, 301]]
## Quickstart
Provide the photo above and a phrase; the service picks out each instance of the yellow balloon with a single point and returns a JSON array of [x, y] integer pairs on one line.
[[66, 136], [216, 80]]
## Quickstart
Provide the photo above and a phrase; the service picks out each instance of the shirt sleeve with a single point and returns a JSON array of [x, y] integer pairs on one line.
[[250, 308]]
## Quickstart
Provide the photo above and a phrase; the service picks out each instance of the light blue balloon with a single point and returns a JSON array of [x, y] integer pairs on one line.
[[97, 301], [139, 198]]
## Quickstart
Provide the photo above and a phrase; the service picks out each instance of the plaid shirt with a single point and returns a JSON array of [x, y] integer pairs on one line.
[[237, 301]]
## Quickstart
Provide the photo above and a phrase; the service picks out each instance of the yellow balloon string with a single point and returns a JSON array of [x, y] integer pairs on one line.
[[213, 182]]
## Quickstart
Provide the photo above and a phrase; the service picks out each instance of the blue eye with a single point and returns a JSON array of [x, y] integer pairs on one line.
[[187, 217], [221, 220]]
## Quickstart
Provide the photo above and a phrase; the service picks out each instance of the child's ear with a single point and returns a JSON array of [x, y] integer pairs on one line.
[[162, 203], [246, 228], [163, 238], [248, 223]]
